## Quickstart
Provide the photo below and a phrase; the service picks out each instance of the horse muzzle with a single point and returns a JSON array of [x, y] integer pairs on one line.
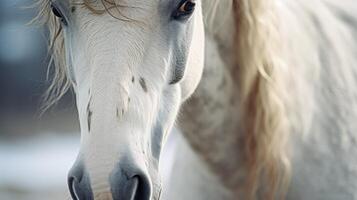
[[126, 183]]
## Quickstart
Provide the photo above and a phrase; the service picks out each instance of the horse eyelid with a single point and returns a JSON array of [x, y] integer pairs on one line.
[[58, 13]]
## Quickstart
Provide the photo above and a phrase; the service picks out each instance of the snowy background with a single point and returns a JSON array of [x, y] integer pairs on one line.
[[35, 152]]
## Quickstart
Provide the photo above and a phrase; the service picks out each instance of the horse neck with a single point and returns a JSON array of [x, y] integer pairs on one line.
[[210, 118], [210, 121]]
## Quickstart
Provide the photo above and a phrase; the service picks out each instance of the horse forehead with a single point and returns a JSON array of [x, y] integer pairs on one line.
[[146, 11], [122, 3]]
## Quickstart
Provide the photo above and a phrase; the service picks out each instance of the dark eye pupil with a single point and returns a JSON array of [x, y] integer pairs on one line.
[[189, 6], [186, 9], [56, 12]]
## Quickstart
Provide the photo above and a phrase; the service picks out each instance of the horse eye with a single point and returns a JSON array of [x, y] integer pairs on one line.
[[58, 14], [186, 8]]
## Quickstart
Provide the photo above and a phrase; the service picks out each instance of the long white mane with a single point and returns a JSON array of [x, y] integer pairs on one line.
[[259, 73]]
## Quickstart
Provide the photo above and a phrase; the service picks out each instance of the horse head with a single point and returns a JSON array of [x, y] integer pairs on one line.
[[131, 63]]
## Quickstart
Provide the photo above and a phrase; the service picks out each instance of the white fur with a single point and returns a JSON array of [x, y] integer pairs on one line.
[[190, 178], [106, 54]]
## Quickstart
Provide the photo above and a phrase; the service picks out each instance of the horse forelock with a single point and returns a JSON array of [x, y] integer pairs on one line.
[[60, 83]]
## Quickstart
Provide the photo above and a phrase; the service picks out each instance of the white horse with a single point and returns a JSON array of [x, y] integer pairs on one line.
[[273, 112]]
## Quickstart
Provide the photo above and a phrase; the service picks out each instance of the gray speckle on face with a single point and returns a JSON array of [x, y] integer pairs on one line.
[[143, 84], [73, 9], [119, 112], [133, 79], [89, 117]]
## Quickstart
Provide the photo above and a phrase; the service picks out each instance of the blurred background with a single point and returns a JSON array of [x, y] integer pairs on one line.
[[35, 152]]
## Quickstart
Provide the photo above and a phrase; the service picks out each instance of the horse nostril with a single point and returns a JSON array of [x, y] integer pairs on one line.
[[79, 184], [142, 191], [134, 187], [71, 186], [74, 188]]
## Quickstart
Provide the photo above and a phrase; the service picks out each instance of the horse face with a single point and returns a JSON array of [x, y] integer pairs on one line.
[[132, 66]]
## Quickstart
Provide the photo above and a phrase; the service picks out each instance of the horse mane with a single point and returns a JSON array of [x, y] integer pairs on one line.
[[260, 71], [262, 94]]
